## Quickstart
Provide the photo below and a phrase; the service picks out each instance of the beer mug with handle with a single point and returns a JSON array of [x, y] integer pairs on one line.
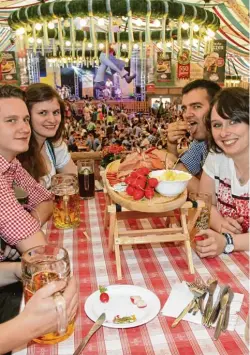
[[40, 266]]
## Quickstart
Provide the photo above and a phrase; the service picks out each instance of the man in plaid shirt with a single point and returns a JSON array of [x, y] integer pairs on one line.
[[196, 99], [19, 227]]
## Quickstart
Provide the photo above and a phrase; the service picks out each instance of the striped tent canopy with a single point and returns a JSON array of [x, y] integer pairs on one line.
[[233, 14]]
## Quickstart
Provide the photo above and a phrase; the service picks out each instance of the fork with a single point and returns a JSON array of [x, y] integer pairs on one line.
[[198, 289]]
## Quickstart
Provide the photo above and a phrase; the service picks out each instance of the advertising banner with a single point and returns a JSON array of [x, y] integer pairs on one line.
[[8, 70], [214, 63], [183, 66], [163, 67]]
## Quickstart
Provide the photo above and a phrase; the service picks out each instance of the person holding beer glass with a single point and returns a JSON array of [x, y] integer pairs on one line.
[[226, 174], [47, 153], [39, 316]]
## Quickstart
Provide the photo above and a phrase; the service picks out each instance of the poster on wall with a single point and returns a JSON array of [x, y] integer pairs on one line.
[[183, 66], [214, 63], [163, 67], [8, 69]]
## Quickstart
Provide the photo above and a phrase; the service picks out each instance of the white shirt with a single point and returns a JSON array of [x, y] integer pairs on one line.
[[62, 158], [232, 198]]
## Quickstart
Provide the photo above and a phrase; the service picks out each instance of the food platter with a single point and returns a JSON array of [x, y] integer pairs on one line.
[[157, 204]]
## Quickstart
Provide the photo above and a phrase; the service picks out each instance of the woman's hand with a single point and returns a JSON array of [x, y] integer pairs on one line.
[[232, 225], [40, 312], [212, 245]]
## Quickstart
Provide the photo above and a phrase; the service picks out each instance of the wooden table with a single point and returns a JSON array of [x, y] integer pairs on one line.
[[158, 269]]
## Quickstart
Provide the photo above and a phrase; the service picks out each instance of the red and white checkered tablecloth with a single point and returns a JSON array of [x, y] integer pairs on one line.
[[157, 268]]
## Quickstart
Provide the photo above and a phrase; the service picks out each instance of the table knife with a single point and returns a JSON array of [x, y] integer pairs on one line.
[[223, 305], [227, 313], [215, 311], [94, 328]]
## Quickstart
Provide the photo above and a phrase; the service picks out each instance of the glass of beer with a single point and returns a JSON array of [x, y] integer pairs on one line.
[[86, 178], [203, 220], [40, 266], [66, 209]]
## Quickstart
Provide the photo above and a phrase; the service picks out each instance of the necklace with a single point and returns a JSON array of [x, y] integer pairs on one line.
[[243, 178]]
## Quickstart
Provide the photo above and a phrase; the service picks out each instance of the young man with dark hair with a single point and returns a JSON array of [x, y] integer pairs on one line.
[[196, 100], [20, 227]]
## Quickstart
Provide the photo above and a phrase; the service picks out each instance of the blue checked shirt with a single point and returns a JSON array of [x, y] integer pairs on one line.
[[195, 157]]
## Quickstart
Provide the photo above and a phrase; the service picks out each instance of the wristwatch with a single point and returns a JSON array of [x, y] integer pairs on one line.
[[229, 248]]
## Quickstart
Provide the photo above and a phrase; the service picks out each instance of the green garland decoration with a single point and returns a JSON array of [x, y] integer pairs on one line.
[[79, 8], [123, 36]]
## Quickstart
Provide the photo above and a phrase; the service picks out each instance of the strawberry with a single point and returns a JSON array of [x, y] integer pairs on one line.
[[104, 297], [152, 182]]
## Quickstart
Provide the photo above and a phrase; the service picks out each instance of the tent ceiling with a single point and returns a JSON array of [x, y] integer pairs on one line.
[[234, 16]]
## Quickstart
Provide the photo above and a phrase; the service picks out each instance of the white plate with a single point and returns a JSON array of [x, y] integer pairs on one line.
[[120, 304]]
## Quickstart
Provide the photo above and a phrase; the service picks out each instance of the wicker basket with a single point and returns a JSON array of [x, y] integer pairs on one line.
[[157, 204]]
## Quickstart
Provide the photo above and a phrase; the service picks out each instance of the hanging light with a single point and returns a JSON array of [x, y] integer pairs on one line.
[[66, 23], [124, 46], [156, 23], [196, 28], [135, 46], [51, 25], [39, 40], [31, 40], [38, 26], [101, 45], [210, 33], [139, 22], [90, 45], [68, 43], [101, 22], [185, 26], [20, 31], [83, 22]]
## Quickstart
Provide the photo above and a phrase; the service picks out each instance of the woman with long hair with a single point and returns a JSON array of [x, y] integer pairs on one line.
[[226, 174], [48, 153]]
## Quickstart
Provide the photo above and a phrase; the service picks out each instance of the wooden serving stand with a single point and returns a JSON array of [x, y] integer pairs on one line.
[[120, 206]]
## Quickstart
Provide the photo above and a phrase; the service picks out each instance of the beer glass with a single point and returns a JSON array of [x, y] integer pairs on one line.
[[203, 221], [40, 266], [86, 178], [66, 208]]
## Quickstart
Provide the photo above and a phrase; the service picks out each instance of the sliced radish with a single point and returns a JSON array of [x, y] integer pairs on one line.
[[141, 304], [135, 299]]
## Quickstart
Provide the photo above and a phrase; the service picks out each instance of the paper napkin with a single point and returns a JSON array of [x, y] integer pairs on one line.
[[180, 297]]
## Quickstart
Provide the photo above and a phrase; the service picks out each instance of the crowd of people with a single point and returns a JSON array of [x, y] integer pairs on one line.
[[93, 126], [37, 126]]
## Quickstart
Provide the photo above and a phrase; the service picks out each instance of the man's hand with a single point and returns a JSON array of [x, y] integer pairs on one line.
[[213, 244], [176, 130]]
